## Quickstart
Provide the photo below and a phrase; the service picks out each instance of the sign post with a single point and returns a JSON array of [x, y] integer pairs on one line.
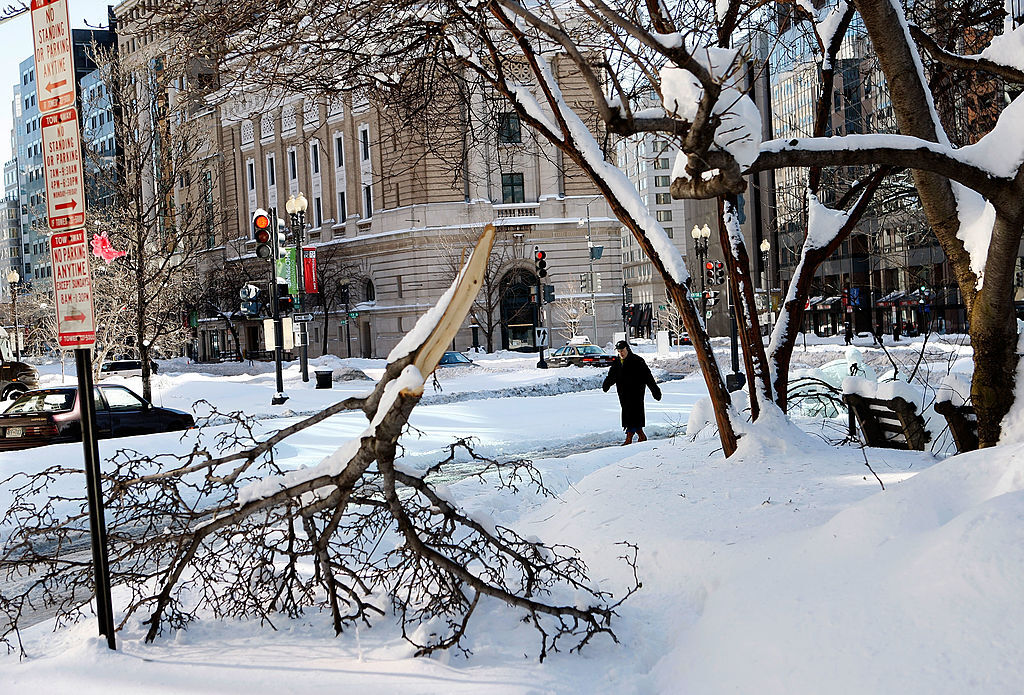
[[69, 253]]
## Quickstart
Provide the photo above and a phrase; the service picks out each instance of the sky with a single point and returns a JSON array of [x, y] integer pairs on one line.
[[16, 46]]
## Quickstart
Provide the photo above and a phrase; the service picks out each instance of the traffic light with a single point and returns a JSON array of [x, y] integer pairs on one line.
[[261, 233], [709, 272], [719, 273], [343, 296], [539, 262], [280, 246], [549, 293], [285, 304]]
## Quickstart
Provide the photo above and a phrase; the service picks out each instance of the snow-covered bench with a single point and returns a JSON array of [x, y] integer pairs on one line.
[[963, 424], [886, 416]]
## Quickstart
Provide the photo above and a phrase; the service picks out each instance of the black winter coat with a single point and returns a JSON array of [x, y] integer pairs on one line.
[[630, 376]]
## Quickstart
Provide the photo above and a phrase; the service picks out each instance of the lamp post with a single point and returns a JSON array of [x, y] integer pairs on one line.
[[296, 208], [700, 236], [12, 280], [592, 251], [766, 247]]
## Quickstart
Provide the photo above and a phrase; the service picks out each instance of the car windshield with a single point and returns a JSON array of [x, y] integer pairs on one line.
[[591, 350], [454, 358], [43, 402]]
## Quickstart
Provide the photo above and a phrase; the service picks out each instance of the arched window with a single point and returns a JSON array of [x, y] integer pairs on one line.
[[371, 293]]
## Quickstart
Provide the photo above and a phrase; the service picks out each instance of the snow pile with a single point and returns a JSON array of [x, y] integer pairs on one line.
[[914, 590]]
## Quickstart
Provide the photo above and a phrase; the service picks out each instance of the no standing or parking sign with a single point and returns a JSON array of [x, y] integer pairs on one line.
[[76, 321], [55, 69]]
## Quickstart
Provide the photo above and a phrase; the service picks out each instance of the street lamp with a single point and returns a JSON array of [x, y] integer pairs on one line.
[[701, 235], [296, 208], [765, 247], [592, 252], [12, 280]]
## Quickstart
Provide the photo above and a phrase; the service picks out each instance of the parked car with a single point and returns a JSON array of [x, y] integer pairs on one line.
[[454, 359], [580, 355], [124, 368], [15, 377], [49, 416]]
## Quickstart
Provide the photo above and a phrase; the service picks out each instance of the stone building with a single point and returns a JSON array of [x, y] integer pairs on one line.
[[388, 218]]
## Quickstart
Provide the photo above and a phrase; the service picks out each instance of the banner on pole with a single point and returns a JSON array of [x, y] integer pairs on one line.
[[309, 270]]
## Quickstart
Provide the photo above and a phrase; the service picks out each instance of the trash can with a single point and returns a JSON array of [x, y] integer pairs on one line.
[[325, 379]]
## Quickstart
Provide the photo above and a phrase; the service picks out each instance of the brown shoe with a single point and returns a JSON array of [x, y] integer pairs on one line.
[[641, 437], [629, 439]]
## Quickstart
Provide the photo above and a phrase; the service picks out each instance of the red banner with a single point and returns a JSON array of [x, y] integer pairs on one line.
[[309, 270]]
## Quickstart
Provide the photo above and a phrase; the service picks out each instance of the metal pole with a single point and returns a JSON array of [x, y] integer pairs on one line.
[[94, 488], [17, 328], [348, 332], [298, 228], [593, 282], [275, 310], [702, 256], [541, 364]]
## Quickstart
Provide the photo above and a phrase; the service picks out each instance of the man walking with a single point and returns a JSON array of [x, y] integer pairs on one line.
[[631, 375]]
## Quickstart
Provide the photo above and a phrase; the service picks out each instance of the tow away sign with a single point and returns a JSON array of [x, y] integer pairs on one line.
[[72, 285], [55, 70], [62, 162]]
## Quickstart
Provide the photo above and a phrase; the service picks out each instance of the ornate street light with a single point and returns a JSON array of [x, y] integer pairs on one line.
[[296, 208], [13, 278], [701, 236]]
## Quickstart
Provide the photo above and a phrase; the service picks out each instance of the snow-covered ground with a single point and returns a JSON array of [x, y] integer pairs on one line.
[[784, 569]]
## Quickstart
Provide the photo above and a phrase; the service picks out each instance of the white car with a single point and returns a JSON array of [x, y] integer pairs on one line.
[[121, 368]]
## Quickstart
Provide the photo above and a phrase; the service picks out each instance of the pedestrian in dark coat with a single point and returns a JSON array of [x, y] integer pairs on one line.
[[631, 375]]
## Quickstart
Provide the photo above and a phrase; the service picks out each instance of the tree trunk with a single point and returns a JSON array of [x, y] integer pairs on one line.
[[738, 263], [993, 330]]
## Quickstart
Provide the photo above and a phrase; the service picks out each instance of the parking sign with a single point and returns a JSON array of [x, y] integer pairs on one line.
[[72, 289]]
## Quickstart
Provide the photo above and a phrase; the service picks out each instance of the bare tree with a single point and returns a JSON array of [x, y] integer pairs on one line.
[[487, 306], [159, 192], [573, 73], [570, 310]]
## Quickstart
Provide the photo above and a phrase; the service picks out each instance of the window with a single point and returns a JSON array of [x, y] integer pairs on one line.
[[509, 130], [293, 167], [371, 292], [314, 156], [663, 198], [339, 151], [663, 181], [342, 207], [664, 215], [121, 399], [668, 231], [662, 163], [318, 212], [512, 190], [250, 169], [271, 171], [368, 200], [364, 141]]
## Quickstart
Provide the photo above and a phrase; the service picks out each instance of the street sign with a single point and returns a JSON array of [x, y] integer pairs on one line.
[[540, 336], [55, 68], [353, 314], [302, 318], [72, 285], [62, 162]]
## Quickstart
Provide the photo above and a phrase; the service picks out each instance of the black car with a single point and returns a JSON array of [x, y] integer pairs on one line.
[[49, 416], [582, 355]]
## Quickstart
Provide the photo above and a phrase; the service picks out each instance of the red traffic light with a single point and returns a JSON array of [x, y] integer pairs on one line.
[[539, 255], [261, 222], [710, 265]]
